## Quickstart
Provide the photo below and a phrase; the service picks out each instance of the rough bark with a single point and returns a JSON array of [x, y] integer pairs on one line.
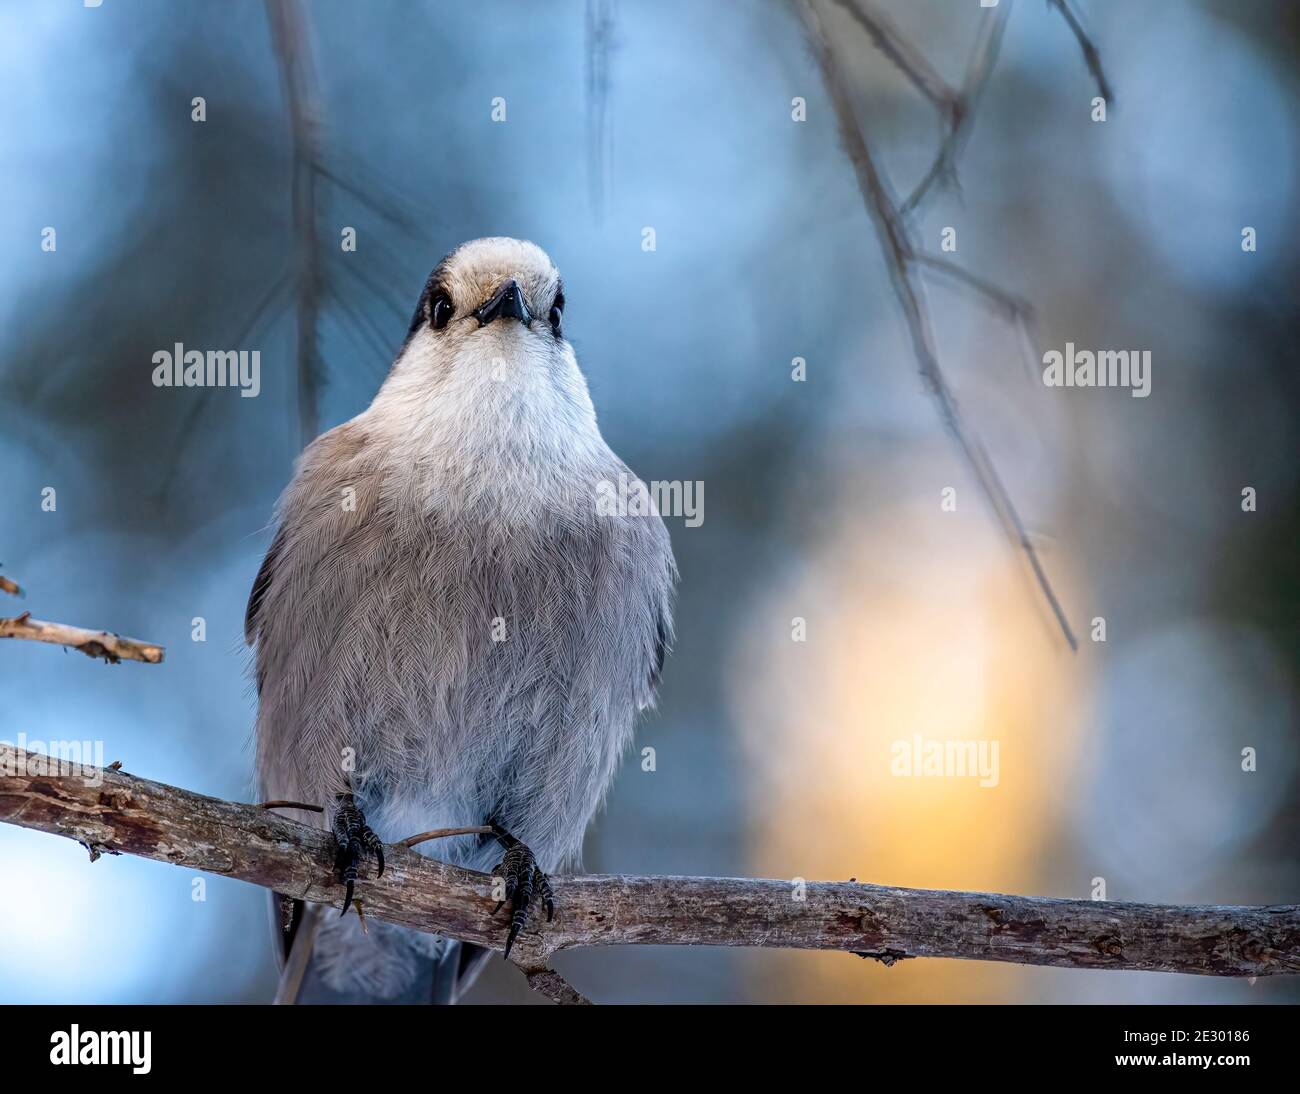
[[110, 811]]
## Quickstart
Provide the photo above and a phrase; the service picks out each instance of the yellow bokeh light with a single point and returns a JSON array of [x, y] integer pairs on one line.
[[917, 624]]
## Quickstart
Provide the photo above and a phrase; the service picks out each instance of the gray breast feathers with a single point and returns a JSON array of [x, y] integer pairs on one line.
[[466, 667]]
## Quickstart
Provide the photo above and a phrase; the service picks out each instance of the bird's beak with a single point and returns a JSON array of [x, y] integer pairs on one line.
[[508, 302]]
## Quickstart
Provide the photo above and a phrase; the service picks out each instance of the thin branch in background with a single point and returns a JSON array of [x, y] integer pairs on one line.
[[302, 93], [111, 647], [400, 267], [600, 47], [367, 346], [381, 292], [984, 55], [288, 25], [909, 60], [394, 206], [1091, 55], [117, 813], [1007, 304], [1015, 309], [900, 256], [370, 339], [263, 312]]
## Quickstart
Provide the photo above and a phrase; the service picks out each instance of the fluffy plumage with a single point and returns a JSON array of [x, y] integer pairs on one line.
[[445, 624]]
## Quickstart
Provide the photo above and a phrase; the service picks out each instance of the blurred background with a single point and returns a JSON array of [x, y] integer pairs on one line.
[[1120, 765]]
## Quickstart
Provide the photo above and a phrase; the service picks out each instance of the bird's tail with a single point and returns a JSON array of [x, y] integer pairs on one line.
[[328, 960]]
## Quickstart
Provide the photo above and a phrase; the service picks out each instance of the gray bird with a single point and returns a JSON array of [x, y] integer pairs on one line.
[[450, 629]]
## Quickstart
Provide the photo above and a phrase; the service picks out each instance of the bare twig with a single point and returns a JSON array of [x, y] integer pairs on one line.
[[984, 55], [9, 587], [1091, 55], [111, 647], [1008, 304], [1015, 309], [909, 60], [372, 340], [599, 52], [381, 293], [900, 255], [377, 194], [442, 833], [297, 73], [120, 813]]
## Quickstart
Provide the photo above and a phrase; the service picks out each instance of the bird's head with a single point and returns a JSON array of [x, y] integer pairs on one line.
[[495, 298], [486, 361]]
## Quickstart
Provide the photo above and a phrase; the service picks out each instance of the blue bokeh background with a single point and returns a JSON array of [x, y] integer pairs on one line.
[[821, 498]]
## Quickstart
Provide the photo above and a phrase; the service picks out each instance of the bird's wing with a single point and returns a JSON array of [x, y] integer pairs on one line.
[[261, 584], [651, 580]]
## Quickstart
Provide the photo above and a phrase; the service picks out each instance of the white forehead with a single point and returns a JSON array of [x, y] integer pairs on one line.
[[475, 269]]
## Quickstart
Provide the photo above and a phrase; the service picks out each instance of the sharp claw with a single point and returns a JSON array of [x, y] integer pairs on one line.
[[355, 840], [524, 881], [543, 885]]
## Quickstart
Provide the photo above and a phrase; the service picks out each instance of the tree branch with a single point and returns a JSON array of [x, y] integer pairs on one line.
[[901, 255], [979, 68], [111, 647], [1091, 55], [907, 58], [110, 811], [297, 73]]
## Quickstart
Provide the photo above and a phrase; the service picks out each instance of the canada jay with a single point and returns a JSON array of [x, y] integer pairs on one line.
[[449, 629]]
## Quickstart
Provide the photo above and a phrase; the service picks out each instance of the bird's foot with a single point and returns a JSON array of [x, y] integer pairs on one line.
[[520, 880], [355, 840]]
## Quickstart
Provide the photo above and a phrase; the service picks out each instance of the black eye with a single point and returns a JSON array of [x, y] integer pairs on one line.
[[441, 311], [557, 313]]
